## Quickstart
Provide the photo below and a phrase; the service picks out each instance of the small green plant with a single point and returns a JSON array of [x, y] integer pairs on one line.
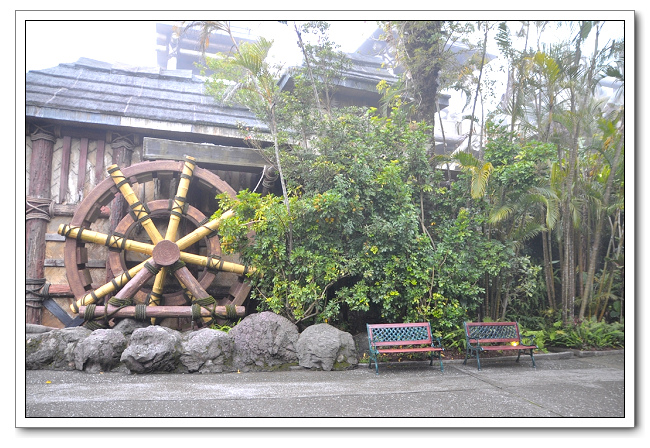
[[225, 327], [452, 339], [589, 334]]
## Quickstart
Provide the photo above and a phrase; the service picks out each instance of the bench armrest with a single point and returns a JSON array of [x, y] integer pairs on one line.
[[527, 339]]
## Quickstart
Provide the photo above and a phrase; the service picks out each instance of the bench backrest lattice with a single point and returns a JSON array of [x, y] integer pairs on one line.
[[493, 331], [406, 334]]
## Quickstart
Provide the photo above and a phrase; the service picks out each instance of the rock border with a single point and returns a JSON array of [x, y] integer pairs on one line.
[[260, 342]]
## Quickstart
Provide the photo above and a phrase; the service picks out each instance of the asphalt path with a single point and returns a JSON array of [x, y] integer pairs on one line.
[[563, 389]]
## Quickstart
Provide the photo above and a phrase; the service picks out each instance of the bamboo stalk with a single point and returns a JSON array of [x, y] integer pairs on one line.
[[179, 200], [176, 210], [137, 206], [147, 249], [108, 288], [216, 264], [203, 231], [111, 241]]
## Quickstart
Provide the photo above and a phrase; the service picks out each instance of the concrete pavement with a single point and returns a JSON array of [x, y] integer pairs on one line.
[[562, 386]]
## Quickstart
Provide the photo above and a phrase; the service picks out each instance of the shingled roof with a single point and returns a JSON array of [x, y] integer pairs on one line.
[[98, 93]]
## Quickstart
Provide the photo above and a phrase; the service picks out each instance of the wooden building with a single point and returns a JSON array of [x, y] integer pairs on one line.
[[83, 117]]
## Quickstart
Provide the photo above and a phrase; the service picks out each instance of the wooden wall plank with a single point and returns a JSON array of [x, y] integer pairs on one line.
[[99, 162], [65, 169], [83, 161]]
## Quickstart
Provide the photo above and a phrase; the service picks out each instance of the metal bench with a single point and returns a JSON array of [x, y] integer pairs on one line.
[[402, 338], [486, 336]]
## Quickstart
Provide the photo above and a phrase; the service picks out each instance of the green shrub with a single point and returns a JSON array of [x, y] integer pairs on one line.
[[587, 335]]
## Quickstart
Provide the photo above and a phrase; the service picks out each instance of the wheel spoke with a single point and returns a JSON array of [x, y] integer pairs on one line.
[[111, 241], [138, 280], [187, 280], [202, 231], [177, 208], [155, 298], [216, 264], [108, 288], [138, 208]]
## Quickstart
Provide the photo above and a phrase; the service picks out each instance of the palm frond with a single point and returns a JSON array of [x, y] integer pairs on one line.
[[500, 214], [480, 180]]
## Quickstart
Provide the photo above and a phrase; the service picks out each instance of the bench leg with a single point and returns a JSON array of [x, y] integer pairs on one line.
[[439, 356], [531, 356], [469, 353], [373, 358]]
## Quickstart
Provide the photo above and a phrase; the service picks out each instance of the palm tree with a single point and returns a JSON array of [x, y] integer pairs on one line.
[[246, 76]]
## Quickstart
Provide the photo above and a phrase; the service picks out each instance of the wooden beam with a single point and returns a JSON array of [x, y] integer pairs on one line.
[[228, 157], [59, 263], [164, 311]]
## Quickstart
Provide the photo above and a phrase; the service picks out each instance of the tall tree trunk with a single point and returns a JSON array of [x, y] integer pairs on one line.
[[478, 88], [548, 270], [593, 259]]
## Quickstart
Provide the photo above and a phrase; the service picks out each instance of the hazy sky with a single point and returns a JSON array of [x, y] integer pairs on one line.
[[49, 43]]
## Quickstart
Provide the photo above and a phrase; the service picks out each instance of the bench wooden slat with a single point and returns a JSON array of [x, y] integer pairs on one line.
[[507, 347]]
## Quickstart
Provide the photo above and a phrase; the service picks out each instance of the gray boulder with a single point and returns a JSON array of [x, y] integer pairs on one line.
[[323, 347], [34, 329], [264, 341], [153, 349], [206, 351], [54, 350], [128, 326], [100, 352]]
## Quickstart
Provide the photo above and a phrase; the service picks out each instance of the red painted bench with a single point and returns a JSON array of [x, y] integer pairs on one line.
[[402, 338], [486, 336]]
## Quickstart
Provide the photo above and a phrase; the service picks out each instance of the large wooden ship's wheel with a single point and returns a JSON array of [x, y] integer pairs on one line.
[[159, 274]]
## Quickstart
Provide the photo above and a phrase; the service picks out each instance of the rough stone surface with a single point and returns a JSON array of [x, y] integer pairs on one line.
[[264, 341], [128, 326], [54, 350], [207, 351], [153, 349], [100, 352], [323, 347]]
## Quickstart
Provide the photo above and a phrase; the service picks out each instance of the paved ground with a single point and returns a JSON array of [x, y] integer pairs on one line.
[[562, 386]]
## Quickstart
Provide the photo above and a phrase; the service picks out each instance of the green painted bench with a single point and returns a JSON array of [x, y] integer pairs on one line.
[[402, 338], [489, 336]]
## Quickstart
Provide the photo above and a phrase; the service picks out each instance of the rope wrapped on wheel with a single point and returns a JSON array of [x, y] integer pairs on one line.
[[207, 303], [89, 319]]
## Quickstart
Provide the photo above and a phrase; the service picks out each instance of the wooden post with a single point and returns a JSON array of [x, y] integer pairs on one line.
[[40, 176]]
